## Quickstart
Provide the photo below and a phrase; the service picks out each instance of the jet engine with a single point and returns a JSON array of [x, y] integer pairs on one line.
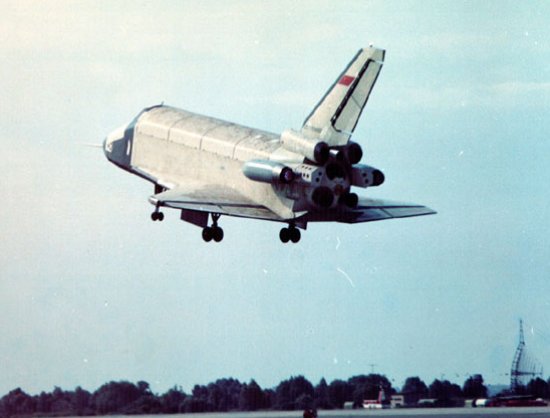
[[313, 150], [268, 171], [354, 152], [366, 176]]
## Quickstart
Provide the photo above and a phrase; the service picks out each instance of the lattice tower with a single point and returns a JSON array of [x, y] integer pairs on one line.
[[525, 366]]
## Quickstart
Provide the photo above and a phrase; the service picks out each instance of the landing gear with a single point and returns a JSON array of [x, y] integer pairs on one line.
[[213, 232], [290, 234], [157, 215], [210, 233]]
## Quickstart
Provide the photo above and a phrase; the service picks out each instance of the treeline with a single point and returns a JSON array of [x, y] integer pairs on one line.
[[224, 395]]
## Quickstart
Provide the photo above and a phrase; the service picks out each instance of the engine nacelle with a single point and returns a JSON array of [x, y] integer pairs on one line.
[[366, 176], [268, 171], [312, 149]]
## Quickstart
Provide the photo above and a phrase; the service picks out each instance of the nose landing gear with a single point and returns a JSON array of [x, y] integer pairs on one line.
[[157, 215]]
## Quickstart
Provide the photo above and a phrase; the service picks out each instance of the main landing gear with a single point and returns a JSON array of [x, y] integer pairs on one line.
[[213, 232], [290, 234]]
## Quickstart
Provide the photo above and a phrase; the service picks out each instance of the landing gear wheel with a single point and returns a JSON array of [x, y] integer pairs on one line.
[[157, 216], [217, 233], [207, 234], [213, 232], [290, 234], [284, 235], [295, 235]]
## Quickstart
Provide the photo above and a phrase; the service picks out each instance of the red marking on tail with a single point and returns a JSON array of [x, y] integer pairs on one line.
[[346, 80]]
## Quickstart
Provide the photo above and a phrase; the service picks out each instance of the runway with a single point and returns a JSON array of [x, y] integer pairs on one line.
[[386, 413]]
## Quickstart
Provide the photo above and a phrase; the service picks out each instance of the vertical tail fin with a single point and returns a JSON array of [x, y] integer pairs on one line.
[[334, 118]]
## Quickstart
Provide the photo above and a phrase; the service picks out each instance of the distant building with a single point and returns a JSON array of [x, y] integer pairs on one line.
[[381, 402], [426, 403], [397, 401], [349, 405]]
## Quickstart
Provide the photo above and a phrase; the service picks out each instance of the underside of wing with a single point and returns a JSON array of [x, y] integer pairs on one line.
[[212, 199], [369, 210], [375, 209]]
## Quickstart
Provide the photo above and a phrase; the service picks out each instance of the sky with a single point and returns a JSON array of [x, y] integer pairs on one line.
[[92, 291]]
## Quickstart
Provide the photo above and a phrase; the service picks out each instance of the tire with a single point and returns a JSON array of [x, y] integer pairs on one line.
[[207, 234], [217, 233], [295, 235], [284, 235]]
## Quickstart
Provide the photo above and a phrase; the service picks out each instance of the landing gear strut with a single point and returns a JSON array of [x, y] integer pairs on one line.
[[157, 215], [213, 232], [290, 234]]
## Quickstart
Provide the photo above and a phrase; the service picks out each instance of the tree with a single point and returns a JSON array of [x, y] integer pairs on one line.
[[444, 391], [226, 394], [413, 390], [44, 403], [474, 388], [198, 401], [171, 402], [270, 398], [321, 396], [538, 388], [290, 390], [17, 402], [116, 397], [61, 402], [339, 392], [216, 399], [304, 401], [192, 404], [143, 387], [80, 402], [251, 397]]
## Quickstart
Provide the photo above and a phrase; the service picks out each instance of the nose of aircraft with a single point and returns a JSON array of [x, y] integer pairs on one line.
[[104, 146], [109, 142]]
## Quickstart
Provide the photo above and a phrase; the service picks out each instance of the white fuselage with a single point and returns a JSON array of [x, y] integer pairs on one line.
[[171, 147]]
